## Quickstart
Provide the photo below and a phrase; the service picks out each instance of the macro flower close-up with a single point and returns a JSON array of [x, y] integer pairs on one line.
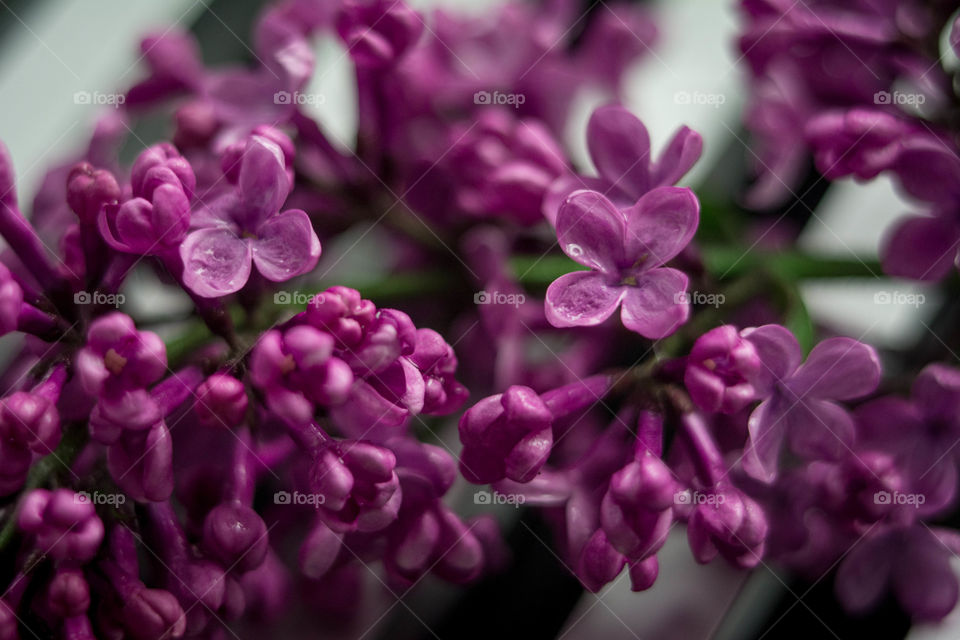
[[456, 319]]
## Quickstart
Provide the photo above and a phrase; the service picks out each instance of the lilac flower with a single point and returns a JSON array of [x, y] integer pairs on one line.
[[297, 369], [919, 433], [636, 512], [360, 486], [909, 561], [719, 371], [510, 435], [246, 226], [801, 399], [496, 166], [156, 219], [89, 189], [728, 522], [619, 146], [427, 535], [221, 401], [378, 32], [31, 418], [437, 362], [625, 251], [235, 536], [61, 524], [68, 594]]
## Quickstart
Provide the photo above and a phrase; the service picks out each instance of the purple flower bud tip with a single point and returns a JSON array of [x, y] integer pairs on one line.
[[221, 401], [506, 436], [119, 355], [31, 420], [598, 563], [236, 536], [62, 523], [153, 614], [89, 189], [720, 369], [68, 594], [158, 165], [728, 522], [378, 32]]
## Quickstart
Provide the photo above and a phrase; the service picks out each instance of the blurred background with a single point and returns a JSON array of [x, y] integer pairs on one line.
[[56, 54]]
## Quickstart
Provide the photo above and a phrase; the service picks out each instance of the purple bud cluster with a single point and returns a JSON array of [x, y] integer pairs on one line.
[[264, 452]]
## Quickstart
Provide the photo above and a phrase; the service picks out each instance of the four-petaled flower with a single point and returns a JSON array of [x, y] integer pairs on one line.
[[245, 226], [625, 250]]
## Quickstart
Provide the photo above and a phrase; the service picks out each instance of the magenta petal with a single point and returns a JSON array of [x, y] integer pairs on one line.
[[620, 148], [561, 188], [656, 306], [590, 230], [681, 154], [287, 246], [660, 225], [581, 298], [819, 429], [923, 580], [779, 352], [215, 262], [838, 369], [864, 574], [767, 428], [263, 183], [921, 248], [530, 454], [134, 226]]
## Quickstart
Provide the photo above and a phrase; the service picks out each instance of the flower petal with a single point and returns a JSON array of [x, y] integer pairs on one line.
[[838, 369], [923, 579], [657, 305], [660, 225], [682, 152], [581, 298], [865, 572], [767, 428], [215, 262], [779, 352], [590, 230], [921, 248], [263, 182], [287, 246], [819, 429], [620, 148], [561, 188]]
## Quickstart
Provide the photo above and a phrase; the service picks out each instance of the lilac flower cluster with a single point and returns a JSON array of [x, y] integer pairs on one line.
[[862, 89], [262, 455]]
